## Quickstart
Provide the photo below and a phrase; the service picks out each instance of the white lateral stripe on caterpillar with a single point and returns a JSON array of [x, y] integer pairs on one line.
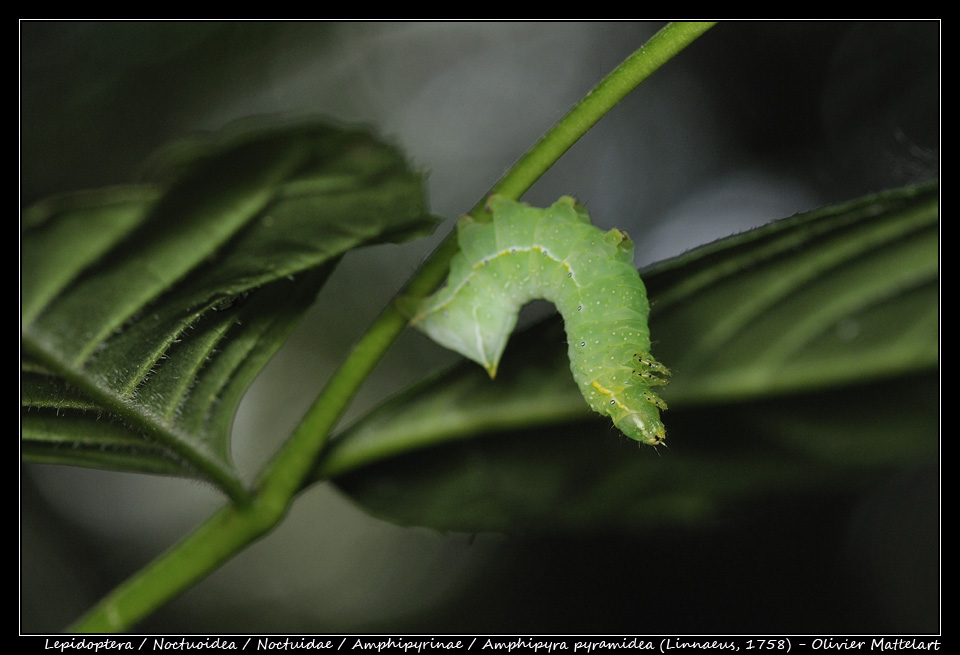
[[526, 253], [513, 251]]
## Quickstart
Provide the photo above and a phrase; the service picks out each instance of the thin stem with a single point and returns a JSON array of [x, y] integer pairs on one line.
[[661, 47], [231, 529], [218, 539]]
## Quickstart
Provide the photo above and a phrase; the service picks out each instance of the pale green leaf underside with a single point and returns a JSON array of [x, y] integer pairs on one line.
[[146, 311], [795, 350]]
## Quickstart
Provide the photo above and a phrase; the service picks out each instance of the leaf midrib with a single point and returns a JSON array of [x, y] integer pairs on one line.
[[141, 417]]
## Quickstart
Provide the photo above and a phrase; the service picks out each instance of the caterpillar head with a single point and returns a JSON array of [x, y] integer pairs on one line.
[[642, 424]]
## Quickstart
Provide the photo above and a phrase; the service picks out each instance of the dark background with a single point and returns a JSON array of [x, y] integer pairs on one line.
[[755, 121]]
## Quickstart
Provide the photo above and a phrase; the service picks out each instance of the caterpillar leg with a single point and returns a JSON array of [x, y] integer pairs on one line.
[[650, 370], [653, 373]]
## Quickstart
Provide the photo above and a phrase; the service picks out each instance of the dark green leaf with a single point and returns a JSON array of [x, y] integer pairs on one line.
[[823, 327], [582, 476], [147, 311], [844, 294]]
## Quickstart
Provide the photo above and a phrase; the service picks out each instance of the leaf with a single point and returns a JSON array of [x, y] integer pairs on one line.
[[844, 392], [147, 311], [581, 477], [844, 294]]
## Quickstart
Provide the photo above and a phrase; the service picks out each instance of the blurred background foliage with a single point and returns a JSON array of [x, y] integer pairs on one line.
[[756, 121]]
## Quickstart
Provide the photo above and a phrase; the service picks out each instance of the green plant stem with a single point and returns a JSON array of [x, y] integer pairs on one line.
[[218, 539], [232, 528], [661, 47]]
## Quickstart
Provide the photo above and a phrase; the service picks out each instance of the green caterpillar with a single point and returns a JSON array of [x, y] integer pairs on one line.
[[526, 253]]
